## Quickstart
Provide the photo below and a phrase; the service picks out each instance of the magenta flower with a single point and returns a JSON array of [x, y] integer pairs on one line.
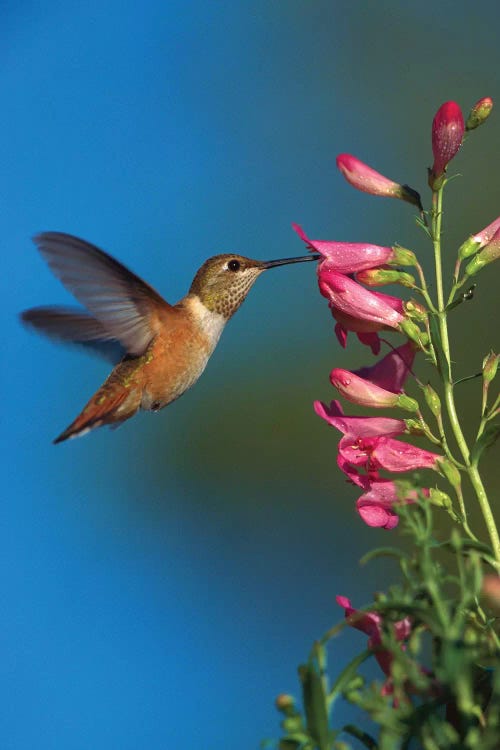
[[366, 179], [371, 623], [447, 133], [376, 506], [477, 241], [367, 393], [374, 453], [392, 370], [347, 257], [365, 330], [358, 427], [354, 300]]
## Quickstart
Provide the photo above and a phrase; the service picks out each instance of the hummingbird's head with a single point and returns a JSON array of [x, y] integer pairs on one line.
[[223, 281]]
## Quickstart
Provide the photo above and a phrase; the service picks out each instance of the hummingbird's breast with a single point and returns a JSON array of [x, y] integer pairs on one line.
[[179, 353]]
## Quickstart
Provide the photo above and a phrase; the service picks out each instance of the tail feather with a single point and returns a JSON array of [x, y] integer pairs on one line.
[[103, 408]]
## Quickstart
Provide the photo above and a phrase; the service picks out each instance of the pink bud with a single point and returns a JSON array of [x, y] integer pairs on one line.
[[366, 179], [490, 592], [447, 133], [354, 300], [479, 113], [347, 257]]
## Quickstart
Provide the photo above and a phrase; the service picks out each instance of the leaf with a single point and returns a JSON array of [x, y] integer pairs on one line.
[[488, 438], [314, 699], [346, 676]]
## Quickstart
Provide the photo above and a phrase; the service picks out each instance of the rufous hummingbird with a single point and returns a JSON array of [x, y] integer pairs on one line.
[[160, 350]]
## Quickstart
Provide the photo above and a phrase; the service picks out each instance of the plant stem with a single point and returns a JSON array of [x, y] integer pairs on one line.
[[445, 367]]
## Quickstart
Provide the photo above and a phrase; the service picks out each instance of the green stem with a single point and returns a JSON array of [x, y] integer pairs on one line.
[[437, 202]]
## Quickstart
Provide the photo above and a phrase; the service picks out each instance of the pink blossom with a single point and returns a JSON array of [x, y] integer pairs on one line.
[[364, 178], [354, 300], [392, 370], [486, 235], [365, 330], [381, 452], [358, 427], [371, 624], [347, 257], [447, 133], [366, 393], [376, 506]]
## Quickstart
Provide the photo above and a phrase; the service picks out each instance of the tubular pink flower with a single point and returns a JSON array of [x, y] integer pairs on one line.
[[447, 133], [376, 506], [370, 623], [488, 254], [354, 300], [364, 178], [391, 371], [486, 235], [358, 427], [365, 330], [366, 393], [347, 257], [381, 452]]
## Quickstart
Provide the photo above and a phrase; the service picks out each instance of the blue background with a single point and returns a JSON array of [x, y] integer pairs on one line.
[[161, 583]]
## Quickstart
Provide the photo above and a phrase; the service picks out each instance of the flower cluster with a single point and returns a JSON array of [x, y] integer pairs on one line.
[[347, 273]]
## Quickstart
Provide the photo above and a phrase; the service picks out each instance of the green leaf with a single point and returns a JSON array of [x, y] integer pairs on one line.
[[488, 438], [347, 675], [314, 699]]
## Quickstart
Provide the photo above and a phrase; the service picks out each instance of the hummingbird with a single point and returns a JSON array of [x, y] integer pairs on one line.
[[159, 350]]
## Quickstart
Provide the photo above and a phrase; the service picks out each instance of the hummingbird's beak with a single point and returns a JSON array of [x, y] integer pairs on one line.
[[285, 261]]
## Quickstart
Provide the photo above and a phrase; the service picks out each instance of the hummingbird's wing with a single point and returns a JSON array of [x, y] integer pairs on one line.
[[73, 326], [121, 302]]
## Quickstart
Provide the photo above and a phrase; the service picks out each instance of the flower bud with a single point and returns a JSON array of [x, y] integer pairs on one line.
[[285, 702], [414, 333], [479, 113], [403, 257], [381, 276], [366, 179], [432, 399], [487, 255], [490, 366], [447, 133], [451, 472], [439, 498]]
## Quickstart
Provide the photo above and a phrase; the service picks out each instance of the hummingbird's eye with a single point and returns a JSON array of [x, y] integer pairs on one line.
[[234, 265]]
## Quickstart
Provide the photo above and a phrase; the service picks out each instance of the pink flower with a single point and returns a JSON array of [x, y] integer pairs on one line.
[[358, 427], [376, 506], [366, 179], [374, 453], [486, 235], [367, 393], [347, 257], [479, 113], [371, 624], [392, 370], [488, 254], [354, 300], [447, 133], [365, 330], [477, 241]]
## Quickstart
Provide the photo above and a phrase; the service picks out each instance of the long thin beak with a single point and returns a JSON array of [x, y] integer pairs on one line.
[[285, 261]]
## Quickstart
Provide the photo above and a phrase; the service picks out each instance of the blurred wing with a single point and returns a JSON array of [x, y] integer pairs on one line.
[[73, 326], [116, 297]]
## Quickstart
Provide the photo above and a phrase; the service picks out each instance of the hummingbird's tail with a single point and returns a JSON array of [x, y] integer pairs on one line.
[[108, 406]]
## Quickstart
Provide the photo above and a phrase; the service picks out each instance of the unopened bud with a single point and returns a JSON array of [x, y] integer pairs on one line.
[[447, 133], [479, 113], [415, 310], [414, 427], [407, 403], [450, 471], [403, 257], [414, 333], [381, 276], [285, 702], [368, 180], [490, 366], [432, 399], [439, 498]]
